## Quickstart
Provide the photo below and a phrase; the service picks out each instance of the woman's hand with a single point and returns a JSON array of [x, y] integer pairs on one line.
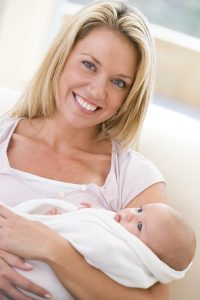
[[10, 280], [22, 237]]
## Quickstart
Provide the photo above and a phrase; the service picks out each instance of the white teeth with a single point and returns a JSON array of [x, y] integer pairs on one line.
[[85, 104]]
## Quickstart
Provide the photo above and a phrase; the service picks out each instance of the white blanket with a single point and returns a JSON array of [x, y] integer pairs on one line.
[[103, 242]]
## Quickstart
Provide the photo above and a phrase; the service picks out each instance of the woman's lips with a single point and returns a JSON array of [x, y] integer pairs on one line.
[[85, 104]]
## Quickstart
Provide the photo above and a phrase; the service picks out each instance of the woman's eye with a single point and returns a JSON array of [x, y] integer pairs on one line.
[[88, 65], [139, 210], [119, 83], [139, 226]]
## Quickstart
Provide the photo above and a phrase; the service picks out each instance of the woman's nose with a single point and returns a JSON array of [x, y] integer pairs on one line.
[[97, 88]]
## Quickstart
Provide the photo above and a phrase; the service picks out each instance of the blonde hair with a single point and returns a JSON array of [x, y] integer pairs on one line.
[[39, 98]]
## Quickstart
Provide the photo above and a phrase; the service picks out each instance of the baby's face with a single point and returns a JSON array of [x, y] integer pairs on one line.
[[164, 230], [148, 222]]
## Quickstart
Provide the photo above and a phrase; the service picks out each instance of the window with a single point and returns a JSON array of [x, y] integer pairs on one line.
[[179, 15]]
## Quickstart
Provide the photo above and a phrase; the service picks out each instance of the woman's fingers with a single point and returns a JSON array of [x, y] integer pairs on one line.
[[15, 261], [30, 287], [13, 294], [6, 212], [10, 281]]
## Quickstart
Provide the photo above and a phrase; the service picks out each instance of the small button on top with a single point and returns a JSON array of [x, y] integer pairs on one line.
[[61, 194], [83, 187]]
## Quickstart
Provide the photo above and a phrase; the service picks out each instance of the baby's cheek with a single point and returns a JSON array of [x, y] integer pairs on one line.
[[131, 228]]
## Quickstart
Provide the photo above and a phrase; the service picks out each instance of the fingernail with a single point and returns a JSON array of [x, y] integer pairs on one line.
[[28, 265], [47, 296]]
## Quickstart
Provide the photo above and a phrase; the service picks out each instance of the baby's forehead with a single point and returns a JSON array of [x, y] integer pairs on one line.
[[160, 214], [159, 208]]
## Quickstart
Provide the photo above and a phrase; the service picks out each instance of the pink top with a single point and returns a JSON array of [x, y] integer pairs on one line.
[[129, 175]]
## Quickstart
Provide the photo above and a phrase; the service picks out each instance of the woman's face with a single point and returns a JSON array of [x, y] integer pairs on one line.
[[96, 78]]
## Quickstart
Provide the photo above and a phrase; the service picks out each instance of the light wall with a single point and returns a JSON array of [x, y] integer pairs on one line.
[[24, 36], [178, 66]]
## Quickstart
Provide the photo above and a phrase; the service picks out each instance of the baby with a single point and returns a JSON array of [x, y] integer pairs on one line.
[[136, 247], [163, 229]]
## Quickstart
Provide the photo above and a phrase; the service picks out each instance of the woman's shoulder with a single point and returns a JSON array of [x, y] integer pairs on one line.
[[7, 126], [134, 172], [130, 156], [135, 162]]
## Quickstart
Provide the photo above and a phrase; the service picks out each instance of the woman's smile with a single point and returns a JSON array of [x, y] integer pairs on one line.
[[85, 105]]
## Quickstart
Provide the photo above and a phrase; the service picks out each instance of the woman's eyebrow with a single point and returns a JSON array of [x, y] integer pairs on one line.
[[98, 62], [125, 76]]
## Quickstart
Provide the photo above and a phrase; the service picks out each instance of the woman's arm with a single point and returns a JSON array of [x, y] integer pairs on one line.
[[87, 283], [155, 193], [84, 282]]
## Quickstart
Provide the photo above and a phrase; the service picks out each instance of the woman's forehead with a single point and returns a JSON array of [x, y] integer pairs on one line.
[[109, 47]]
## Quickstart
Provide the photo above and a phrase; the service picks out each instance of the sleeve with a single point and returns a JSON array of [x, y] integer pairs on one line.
[[137, 174], [6, 125]]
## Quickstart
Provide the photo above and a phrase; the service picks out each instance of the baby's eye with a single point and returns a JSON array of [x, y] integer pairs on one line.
[[139, 210], [119, 83], [139, 226], [88, 65]]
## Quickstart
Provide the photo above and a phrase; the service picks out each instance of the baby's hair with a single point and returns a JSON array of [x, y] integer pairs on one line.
[[179, 242]]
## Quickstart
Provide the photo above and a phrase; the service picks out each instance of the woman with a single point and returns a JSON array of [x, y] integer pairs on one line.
[[68, 138]]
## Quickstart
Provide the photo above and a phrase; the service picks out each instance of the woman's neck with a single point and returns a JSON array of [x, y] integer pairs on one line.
[[60, 136]]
